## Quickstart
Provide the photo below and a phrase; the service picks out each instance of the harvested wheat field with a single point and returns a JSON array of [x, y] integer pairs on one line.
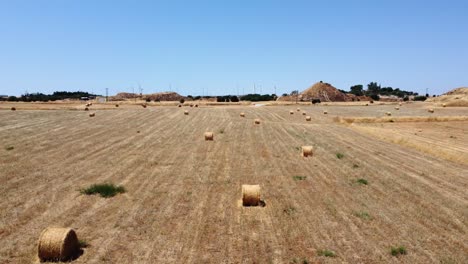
[[369, 186]]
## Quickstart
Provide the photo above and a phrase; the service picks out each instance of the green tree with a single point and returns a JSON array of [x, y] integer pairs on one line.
[[357, 90]]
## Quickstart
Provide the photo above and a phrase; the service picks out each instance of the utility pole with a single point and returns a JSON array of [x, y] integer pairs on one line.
[[107, 95]]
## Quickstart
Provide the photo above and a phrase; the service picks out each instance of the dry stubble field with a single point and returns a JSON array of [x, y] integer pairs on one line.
[[182, 200]]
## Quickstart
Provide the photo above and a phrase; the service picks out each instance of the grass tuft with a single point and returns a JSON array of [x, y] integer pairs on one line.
[[363, 215], [326, 253], [299, 178], [339, 155], [82, 243], [355, 166], [298, 261], [396, 251], [362, 181], [106, 190], [10, 148], [290, 210]]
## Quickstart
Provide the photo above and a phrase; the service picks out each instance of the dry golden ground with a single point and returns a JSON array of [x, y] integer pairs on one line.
[[182, 199]]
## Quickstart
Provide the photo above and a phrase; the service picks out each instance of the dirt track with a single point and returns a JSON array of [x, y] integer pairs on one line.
[[182, 199]]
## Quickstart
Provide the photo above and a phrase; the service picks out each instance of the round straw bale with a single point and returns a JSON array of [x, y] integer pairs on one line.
[[13, 108], [431, 110], [308, 118], [144, 105], [58, 244], [291, 112], [400, 104], [86, 109], [242, 114], [397, 108], [307, 151], [250, 195], [304, 113], [444, 105], [388, 113], [325, 112], [298, 109], [92, 114], [209, 135], [185, 112], [257, 121]]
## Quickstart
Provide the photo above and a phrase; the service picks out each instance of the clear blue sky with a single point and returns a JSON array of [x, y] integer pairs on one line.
[[225, 47]]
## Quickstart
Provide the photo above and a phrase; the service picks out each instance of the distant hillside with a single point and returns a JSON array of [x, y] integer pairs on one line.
[[455, 97]]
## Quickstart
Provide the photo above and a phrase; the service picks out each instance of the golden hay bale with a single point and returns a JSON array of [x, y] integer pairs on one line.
[[185, 112], [308, 118], [325, 112], [388, 113], [250, 195], [397, 108], [92, 114], [242, 114], [58, 244], [304, 113], [298, 109], [209, 135], [13, 108], [291, 112], [307, 151], [444, 105], [431, 110], [86, 109], [257, 121]]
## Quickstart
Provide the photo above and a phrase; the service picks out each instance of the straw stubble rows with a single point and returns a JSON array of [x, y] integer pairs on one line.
[[182, 201]]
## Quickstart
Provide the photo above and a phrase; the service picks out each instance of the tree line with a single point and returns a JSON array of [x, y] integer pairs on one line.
[[40, 97]]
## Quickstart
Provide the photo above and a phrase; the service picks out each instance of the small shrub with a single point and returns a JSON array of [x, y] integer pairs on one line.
[[339, 155], [355, 166], [221, 131], [326, 253], [106, 190], [182, 100], [299, 178], [420, 98], [362, 181], [401, 250], [10, 148]]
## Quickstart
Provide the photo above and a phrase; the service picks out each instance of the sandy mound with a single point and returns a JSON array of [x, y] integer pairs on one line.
[[164, 96], [455, 97], [323, 91]]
